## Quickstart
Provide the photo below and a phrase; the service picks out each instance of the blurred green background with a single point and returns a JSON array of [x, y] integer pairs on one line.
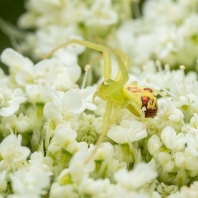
[[10, 10]]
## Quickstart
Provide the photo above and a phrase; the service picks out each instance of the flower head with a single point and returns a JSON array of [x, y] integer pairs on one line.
[[12, 153]]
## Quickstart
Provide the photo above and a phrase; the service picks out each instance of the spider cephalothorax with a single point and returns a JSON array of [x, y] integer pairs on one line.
[[116, 97]]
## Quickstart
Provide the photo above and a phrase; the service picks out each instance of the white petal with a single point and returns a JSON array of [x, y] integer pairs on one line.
[[168, 135], [74, 72], [72, 101], [44, 69], [64, 135], [90, 106], [21, 78], [54, 95], [52, 111], [118, 134], [18, 96], [8, 111], [65, 57], [12, 58], [137, 131]]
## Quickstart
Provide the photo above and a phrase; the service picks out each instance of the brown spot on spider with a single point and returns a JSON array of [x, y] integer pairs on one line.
[[151, 113], [148, 89], [145, 100], [150, 105]]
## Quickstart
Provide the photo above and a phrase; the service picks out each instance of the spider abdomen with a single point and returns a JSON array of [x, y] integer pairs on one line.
[[142, 98]]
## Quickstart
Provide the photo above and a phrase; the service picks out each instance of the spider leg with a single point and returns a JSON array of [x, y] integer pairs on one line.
[[107, 62], [136, 107], [119, 84], [105, 128], [108, 120], [123, 65], [122, 76], [126, 63], [97, 47]]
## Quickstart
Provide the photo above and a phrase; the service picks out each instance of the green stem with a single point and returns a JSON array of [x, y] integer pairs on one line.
[[127, 5], [39, 109]]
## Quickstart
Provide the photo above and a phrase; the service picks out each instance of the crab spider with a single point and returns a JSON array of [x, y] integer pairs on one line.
[[140, 101]]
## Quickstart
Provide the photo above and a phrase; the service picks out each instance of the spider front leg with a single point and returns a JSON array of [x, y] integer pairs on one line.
[[110, 114], [105, 128], [122, 75], [123, 62], [100, 48]]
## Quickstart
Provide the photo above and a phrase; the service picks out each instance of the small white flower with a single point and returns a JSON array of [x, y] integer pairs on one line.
[[186, 161], [71, 101], [117, 191], [65, 75], [166, 161], [46, 39], [192, 143], [30, 182], [57, 190], [172, 140], [15, 60], [78, 168], [168, 11], [63, 109], [87, 129], [154, 145], [142, 175], [190, 24], [87, 95], [12, 153], [104, 151], [42, 70], [19, 124], [169, 115], [176, 116], [165, 190], [44, 14], [194, 121], [187, 192], [64, 178], [54, 147], [37, 93], [102, 14], [127, 131], [93, 187], [9, 101], [38, 161], [64, 136]]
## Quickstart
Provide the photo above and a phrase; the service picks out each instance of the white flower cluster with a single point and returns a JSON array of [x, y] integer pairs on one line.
[[58, 21], [167, 31], [49, 126], [60, 124], [53, 122]]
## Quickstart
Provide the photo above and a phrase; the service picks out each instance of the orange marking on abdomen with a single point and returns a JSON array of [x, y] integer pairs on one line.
[[134, 89]]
